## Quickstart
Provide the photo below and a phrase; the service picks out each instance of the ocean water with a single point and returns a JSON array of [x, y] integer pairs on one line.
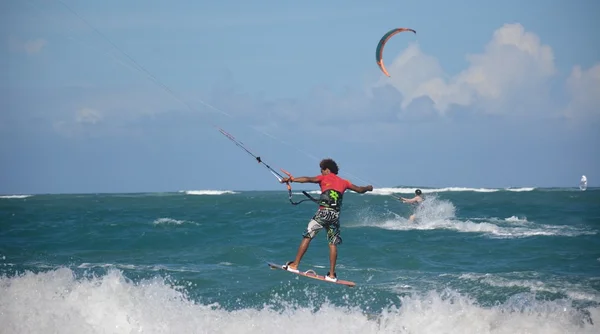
[[475, 261]]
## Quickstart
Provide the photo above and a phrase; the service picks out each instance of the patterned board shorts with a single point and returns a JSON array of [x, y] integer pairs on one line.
[[328, 219]]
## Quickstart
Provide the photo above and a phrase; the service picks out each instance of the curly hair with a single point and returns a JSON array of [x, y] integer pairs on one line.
[[329, 164]]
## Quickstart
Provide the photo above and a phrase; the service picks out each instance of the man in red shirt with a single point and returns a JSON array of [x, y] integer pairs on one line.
[[327, 216]]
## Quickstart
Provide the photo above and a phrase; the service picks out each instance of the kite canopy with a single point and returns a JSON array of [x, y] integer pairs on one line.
[[382, 41]]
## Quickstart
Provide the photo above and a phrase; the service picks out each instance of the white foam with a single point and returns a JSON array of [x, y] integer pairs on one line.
[[167, 220], [139, 267], [520, 189], [391, 191], [14, 196], [452, 313], [488, 228], [408, 190], [5, 264], [440, 214], [515, 219], [317, 192], [57, 302], [208, 192], [572, 290]]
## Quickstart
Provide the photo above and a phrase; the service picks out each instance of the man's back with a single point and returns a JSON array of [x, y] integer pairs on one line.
[[333, 182]]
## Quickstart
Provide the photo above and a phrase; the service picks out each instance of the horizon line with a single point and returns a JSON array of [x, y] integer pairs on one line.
[[272, 190]]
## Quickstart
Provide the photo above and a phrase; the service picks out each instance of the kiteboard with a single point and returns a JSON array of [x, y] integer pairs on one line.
[[312, 274]]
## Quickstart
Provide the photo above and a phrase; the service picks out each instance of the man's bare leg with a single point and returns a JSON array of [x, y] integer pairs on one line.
[[301, 250], [332, 259]]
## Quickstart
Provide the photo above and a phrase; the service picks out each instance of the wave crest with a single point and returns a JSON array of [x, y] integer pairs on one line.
[[209, 192]]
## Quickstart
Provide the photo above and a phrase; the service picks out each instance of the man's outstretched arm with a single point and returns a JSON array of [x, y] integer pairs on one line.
[[359, 189], [301, 179], [406, 200]]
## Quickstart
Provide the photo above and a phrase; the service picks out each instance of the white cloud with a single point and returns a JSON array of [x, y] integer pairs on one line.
[[29, 47], [512, 75], [34, 46], [583, 87], [513, 62], [80, 123], [88, 115]]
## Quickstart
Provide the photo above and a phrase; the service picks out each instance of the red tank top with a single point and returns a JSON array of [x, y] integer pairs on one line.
[[332, 191], [332, 181]]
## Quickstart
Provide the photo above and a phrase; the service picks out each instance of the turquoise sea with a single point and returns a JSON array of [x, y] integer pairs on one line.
[[475, 261]]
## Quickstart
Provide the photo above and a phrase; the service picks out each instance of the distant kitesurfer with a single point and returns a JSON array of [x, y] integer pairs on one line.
[[327, 216], [415, 200]]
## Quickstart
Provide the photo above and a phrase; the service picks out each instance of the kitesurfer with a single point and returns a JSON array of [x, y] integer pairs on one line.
[[327, 216], [415, 200]]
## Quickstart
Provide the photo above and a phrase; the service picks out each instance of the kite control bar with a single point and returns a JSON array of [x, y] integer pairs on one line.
[[274, 172]]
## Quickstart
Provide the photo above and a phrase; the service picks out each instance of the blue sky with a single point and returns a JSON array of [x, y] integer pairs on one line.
[[486, 94]]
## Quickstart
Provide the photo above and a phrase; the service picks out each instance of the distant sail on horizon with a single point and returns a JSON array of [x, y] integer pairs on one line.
[[583, 183]]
